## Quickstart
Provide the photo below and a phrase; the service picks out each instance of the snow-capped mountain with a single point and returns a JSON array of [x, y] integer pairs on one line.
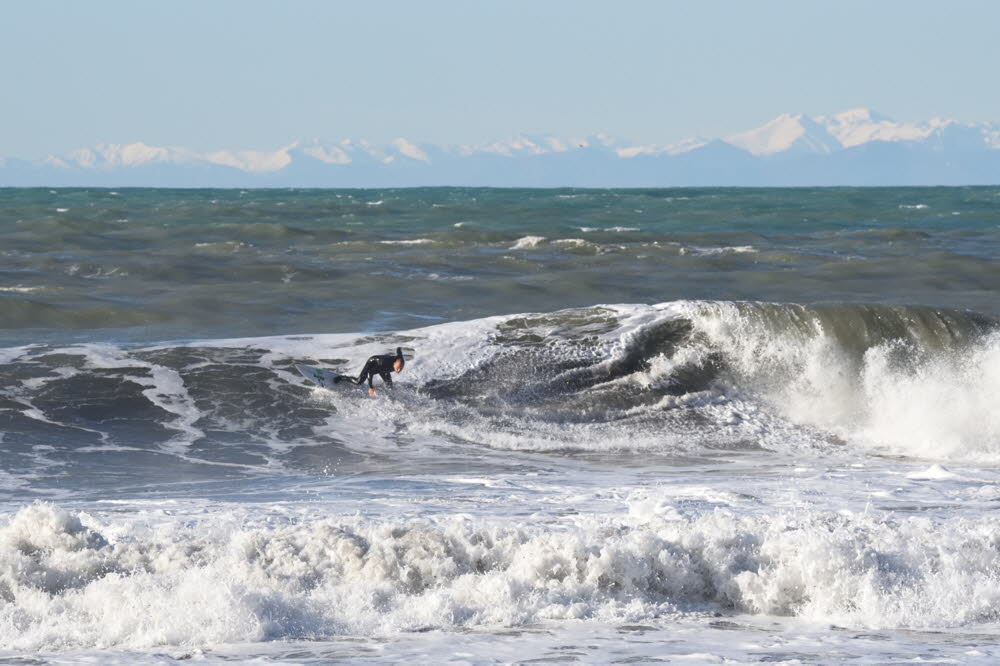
[[858, 126], [787, 135], [855, 147]]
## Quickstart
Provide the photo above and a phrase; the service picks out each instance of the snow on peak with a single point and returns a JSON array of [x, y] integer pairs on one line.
[[538, 145], [784, 133], [991, 135], [939, 122], [600, 140], [513, 146], [254, 161], [111, 155], [855, 116], [858, 126], [684, 146], [327, 154], [411, 150], [354, 148]]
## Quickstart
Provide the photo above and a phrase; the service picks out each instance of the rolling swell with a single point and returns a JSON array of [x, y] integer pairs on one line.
[[148, 265]]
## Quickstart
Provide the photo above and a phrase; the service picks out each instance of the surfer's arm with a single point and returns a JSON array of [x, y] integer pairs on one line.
[[386, 377], [368, 372]]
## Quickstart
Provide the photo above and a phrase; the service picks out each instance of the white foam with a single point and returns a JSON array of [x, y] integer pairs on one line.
[[230, 246], [943, 405], [711, 251], [139, 581], [415, 241], [10, 354], [573, 242], [449, 278], [588, 230], [22, 290], [164, 388], [528, 242], [933, 473]]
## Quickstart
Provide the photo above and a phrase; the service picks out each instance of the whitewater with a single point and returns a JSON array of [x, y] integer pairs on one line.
[[717, 426]]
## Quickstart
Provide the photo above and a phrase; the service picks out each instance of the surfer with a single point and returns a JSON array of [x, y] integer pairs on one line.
[[381, 365]]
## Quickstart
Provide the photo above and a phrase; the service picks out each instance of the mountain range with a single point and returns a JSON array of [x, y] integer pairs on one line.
[[856, 147]]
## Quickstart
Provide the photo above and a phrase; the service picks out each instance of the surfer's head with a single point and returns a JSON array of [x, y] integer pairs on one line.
[[398, 364]]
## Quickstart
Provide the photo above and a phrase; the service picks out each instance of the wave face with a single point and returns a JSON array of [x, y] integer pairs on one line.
[[917, 381], [683, 378]]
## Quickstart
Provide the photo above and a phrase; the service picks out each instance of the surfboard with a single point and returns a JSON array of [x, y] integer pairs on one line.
[[322, 377]]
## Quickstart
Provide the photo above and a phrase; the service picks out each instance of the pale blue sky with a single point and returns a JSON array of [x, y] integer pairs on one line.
[[253, 74]]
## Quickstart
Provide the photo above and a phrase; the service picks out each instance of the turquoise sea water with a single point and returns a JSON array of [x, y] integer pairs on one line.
[[157, 264]]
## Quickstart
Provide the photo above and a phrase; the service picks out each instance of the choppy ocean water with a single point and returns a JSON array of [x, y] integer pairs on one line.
[[638, 425]]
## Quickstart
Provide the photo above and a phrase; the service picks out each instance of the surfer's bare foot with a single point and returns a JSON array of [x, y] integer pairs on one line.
[[371, 392]]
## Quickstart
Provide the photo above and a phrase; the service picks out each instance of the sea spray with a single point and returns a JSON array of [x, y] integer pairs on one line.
[[916, 381]]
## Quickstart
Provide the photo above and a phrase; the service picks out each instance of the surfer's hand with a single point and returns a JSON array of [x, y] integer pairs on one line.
[[371, 392]]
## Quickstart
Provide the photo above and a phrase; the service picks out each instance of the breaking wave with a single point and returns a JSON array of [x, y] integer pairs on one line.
[[676, 377], [70, 581]]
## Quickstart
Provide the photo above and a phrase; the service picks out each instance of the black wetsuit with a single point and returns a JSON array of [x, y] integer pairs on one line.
[[377, 365], [381, 365]]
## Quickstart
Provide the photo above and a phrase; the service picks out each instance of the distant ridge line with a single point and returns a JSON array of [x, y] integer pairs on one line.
[[854, 147]]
